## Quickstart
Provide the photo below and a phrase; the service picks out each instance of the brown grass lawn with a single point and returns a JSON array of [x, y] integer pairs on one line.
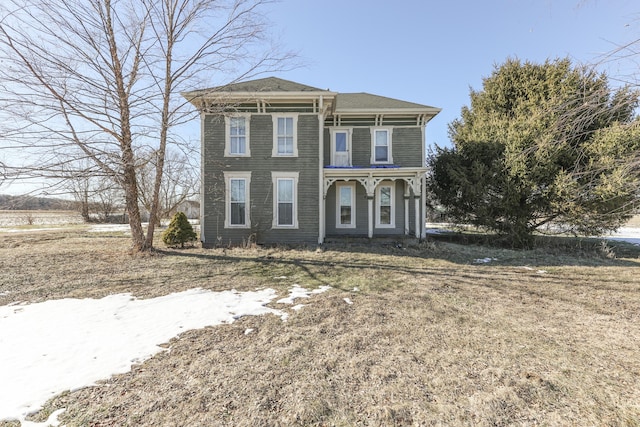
[[549, 336]]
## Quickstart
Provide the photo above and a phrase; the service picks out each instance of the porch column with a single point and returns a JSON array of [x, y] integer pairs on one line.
[[321, 190], [406, 209], [417, 203], [370, 204], [423, 217]]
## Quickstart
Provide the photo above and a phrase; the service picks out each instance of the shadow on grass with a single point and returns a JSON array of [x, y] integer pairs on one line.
[[441, 255]]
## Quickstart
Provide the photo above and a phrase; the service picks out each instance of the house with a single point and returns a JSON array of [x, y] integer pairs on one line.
[[283, 162], [191, 208]]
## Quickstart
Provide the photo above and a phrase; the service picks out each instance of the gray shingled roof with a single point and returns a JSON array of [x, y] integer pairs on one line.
[[268, 84], [345, 103], [367, 101]]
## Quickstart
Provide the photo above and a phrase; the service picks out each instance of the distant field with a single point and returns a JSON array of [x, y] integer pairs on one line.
[[435, 333], [36, 217], [635, 222]]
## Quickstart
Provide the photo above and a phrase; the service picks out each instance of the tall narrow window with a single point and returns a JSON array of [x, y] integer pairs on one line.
[[346, 209], [341, 149], [237, 134], [381, 146], [284, 136], [237, 140], [285, 200], [237, 199], [385, 215]]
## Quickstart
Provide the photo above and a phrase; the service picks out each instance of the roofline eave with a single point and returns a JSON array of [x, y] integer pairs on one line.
[[398, 111], [254, 96]]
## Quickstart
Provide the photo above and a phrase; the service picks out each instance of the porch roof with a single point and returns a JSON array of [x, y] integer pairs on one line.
[[371, 177], [365, 102]]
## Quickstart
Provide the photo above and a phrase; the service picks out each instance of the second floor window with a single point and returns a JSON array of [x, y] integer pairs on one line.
[[237, 135], [341, 148], [285, 136], [237, 141], [381, 146]]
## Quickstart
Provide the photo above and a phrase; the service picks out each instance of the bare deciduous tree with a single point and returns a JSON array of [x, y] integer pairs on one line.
[[180, 183], [99, 80]]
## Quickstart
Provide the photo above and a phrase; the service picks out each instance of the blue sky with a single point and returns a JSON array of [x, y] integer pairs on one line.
[[431, 52]]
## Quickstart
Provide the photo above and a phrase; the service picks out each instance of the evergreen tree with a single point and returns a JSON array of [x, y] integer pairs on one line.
[[179, 231], [541, 143]]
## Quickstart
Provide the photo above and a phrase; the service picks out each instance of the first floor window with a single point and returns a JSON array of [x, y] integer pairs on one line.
[[345, 215], [285, 207], [385, 216], [285, 201], [237, 199]]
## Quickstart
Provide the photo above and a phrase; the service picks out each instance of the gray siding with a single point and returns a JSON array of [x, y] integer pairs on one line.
[[361, 150], [407, 147], [260, 164]]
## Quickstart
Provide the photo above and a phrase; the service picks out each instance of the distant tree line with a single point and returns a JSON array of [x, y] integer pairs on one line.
[[24, 203]]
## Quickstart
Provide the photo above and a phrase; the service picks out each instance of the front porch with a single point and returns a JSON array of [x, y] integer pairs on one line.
[[373, 202]]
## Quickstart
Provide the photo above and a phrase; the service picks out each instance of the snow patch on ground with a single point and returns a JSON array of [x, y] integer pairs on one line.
[[298, 291], [57, 345], [29, 230], [484, 260]]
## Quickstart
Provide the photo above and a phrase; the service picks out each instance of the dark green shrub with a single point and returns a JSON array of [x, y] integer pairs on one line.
[[179, 231]]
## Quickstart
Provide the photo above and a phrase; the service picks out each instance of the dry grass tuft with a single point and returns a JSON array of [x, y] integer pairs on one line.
[[533, 338]]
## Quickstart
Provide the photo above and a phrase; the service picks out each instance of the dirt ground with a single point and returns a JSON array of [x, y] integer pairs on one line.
[[433, 336]]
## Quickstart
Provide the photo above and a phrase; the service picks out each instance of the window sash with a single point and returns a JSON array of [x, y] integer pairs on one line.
[[237, 208], [285, 145], [341, 142], [285, 201], [237, 201], [345, 205], [341, 149], [238, 213], [237, 135], [381, 145], [385, 204], [285, 135]]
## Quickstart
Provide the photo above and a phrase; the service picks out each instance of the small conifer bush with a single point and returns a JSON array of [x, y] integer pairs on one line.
[[179, 231]]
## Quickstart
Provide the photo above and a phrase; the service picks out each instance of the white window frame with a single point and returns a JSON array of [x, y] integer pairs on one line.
[[389, 146], [227, 142], [352, 186], [228, 176], [392, 185], [275, 177], [348, 131], [275, 118]]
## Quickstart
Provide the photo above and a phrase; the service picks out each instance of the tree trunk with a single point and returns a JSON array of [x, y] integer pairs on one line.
[[84, 206], [133, 211], [164, 130]]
